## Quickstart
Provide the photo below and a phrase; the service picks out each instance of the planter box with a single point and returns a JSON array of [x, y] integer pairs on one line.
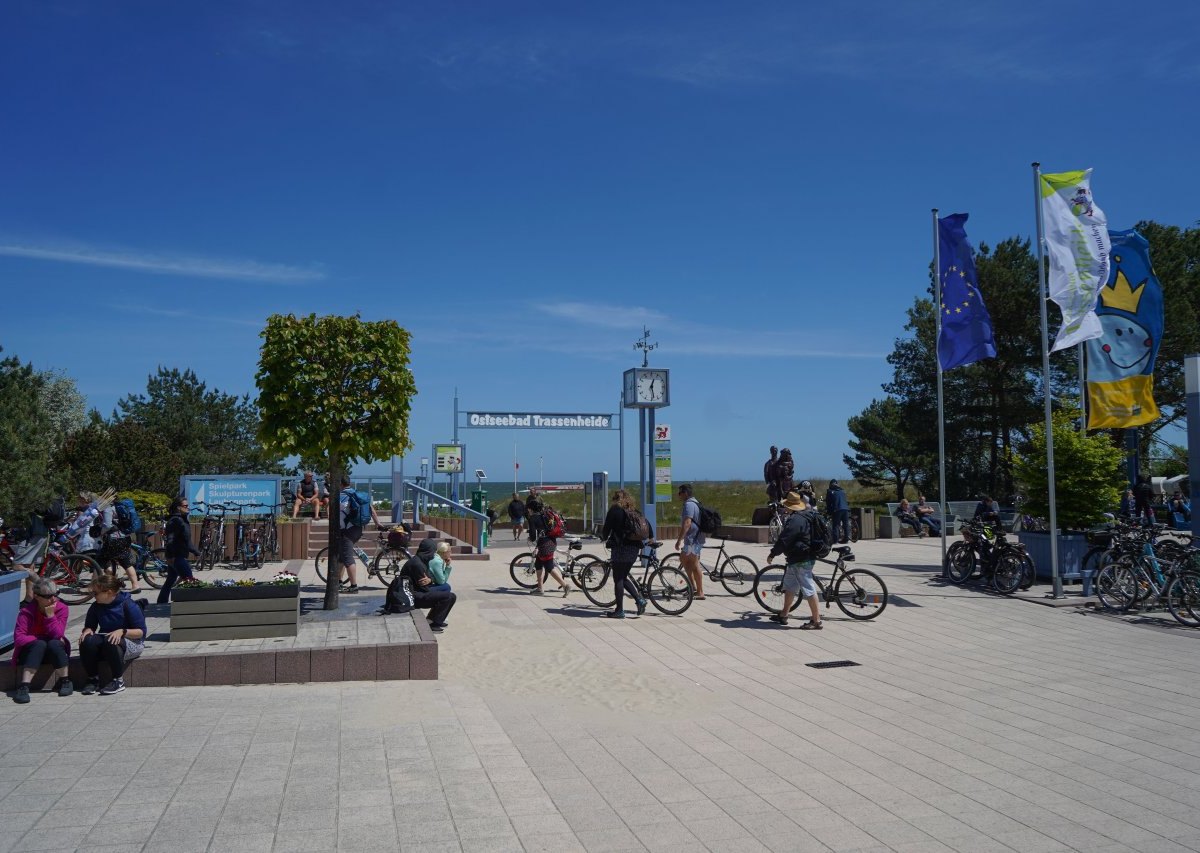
[[1071, 548], [11, 593], [235, 613], [461, 528]]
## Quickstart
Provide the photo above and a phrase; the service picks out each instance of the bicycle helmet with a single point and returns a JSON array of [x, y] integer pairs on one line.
[[806, 484]]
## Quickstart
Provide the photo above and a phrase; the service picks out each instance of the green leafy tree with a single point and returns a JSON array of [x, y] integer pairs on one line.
[[211, 431], [124, 455], [28, 480], [885, 452], [1087, 472], [338, 387], [64, 406]]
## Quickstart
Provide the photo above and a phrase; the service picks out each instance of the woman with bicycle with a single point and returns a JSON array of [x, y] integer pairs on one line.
[[177, 537], [623, 551]]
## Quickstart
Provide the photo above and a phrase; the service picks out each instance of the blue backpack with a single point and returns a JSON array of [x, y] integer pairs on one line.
[[360, 508], [128, 519]]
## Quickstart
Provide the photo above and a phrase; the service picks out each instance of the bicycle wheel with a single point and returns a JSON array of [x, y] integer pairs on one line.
[[738, 574], [1008, 574], [671, 561], [1183, 599], [774, 528], [593, 577], [591, 573], [768, 589], [387, 563], [861, 594], [1093, 560], [960, 562], [523, 571], [670, 591], [319, 562], [1116, 587], [75, 586], [1029, 571], [855, 530], [154, 567]]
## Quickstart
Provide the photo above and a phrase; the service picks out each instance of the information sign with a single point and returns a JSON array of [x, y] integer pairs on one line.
[[448, 458]]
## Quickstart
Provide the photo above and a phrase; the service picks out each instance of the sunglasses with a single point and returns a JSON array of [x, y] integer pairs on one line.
[[47, 597]]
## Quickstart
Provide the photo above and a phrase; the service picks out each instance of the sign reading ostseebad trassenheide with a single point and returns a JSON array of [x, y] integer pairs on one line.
[[534, 420]]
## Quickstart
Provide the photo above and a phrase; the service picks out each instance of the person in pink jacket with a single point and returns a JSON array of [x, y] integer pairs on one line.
[[40, 634]]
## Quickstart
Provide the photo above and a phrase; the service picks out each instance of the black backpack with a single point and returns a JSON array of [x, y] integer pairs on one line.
[[710, 520], [399, 597], [820, 534]]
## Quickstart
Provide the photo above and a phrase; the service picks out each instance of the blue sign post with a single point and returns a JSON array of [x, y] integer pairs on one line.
[[214, 489]]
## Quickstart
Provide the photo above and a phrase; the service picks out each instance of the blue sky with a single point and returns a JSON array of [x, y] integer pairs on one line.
[[524, 185]]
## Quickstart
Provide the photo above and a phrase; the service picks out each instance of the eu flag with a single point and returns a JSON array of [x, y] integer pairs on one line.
[[966, 327]]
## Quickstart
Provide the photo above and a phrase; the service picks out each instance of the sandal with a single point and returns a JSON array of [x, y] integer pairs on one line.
[[812, 626]]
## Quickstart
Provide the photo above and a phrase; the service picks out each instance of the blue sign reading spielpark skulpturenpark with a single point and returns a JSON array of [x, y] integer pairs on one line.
[[203, 490]]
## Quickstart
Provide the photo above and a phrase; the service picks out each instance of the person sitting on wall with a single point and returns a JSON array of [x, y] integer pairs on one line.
[[308, 492]]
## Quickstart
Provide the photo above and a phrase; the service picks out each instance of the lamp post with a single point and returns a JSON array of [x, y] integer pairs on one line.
[[541, 480]]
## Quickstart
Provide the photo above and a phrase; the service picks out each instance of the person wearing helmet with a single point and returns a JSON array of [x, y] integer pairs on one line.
[[806, 489]]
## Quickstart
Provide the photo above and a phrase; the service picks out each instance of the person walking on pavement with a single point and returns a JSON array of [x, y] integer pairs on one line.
[[623, 551], [351, 531], [691, 540], [546, 547], [177, 537], [795, 543], [516, 513], [838, 507]]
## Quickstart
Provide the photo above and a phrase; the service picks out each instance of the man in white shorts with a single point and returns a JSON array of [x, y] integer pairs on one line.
[[795, 543]]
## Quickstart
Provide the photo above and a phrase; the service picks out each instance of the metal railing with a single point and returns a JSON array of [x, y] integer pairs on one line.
[[458, 509]]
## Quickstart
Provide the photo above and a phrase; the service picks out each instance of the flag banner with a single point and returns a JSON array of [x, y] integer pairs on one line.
[[1120, 362], [966, 326], [1077, 243]]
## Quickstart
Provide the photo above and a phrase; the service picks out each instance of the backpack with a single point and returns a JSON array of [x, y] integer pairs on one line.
[[128, 519], [399, 597], [637, 529], [820, 535], [554, 523], [710, 519], [360, 508], [55, 514]]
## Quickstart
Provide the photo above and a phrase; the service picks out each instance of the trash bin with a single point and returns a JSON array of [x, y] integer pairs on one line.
[[866, 521]]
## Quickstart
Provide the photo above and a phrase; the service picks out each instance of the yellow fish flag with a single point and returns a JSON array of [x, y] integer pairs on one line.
[[1120, 363]]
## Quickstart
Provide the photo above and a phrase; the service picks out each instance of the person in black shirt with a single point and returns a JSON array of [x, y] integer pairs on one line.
[[1143, 500], [795, 543], [307, 493], [177, 536], [416, 570], [986, 510], [622, 552]]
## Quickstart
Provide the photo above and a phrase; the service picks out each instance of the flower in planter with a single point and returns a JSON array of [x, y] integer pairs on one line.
[[191, 583], [283, 579], [224, 582], [244, 582]]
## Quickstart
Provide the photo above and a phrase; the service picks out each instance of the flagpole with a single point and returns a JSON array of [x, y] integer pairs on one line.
[[1082, 394], [937, 311], [1043, 296]]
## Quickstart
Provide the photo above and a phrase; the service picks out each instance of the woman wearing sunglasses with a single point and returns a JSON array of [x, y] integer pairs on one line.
[[40, 635]]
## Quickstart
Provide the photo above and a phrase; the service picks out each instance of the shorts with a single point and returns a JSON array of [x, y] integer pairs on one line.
[[692, 546], [30, 551], [350, 536], [798, 577]]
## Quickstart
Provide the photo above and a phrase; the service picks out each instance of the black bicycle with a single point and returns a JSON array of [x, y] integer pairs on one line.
[[587, 571], [735, 572], [860, 593], [666, 587], [984, 548], [779, 517]]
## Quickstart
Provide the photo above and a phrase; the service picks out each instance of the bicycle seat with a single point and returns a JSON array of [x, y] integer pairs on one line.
[[845, 551], [576, 545], [654, 545]]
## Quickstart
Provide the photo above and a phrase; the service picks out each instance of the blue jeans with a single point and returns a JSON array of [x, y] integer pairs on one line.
[[180, 568]]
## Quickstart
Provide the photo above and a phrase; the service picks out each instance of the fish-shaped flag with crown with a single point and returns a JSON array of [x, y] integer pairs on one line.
[[1120, 363]]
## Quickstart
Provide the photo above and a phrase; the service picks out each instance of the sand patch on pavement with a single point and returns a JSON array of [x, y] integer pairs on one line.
[[521, 662]]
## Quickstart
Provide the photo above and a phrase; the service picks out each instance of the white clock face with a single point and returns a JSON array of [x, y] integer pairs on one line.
[[652, 386]]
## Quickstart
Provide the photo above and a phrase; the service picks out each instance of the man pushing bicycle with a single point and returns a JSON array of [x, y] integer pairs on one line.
[[795, 543]]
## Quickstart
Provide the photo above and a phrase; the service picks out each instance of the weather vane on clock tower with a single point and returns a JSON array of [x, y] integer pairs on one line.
[[645, 346]]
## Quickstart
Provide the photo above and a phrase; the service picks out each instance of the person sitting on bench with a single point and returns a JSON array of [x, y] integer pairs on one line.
[[906, 515]]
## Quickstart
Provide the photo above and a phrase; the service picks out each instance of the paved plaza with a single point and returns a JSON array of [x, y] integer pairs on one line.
[[973, 723]]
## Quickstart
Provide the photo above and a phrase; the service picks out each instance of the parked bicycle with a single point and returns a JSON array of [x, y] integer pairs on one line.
[[389, 559], [1139, 578], [586, 571], [735, 572], [859, 593], [985, 549], [666, 587], [211, 541]]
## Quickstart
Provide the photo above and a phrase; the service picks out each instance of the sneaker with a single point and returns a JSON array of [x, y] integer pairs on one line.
[[615, 614], [21, 697], [641, 607], [114, 686], [536, 592], [437, 629], [566, 591], [92, 686], [351, 590], [64, 687], [778, 620]]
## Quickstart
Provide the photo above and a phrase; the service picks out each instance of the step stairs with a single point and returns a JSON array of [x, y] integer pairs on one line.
[[318, 538]]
